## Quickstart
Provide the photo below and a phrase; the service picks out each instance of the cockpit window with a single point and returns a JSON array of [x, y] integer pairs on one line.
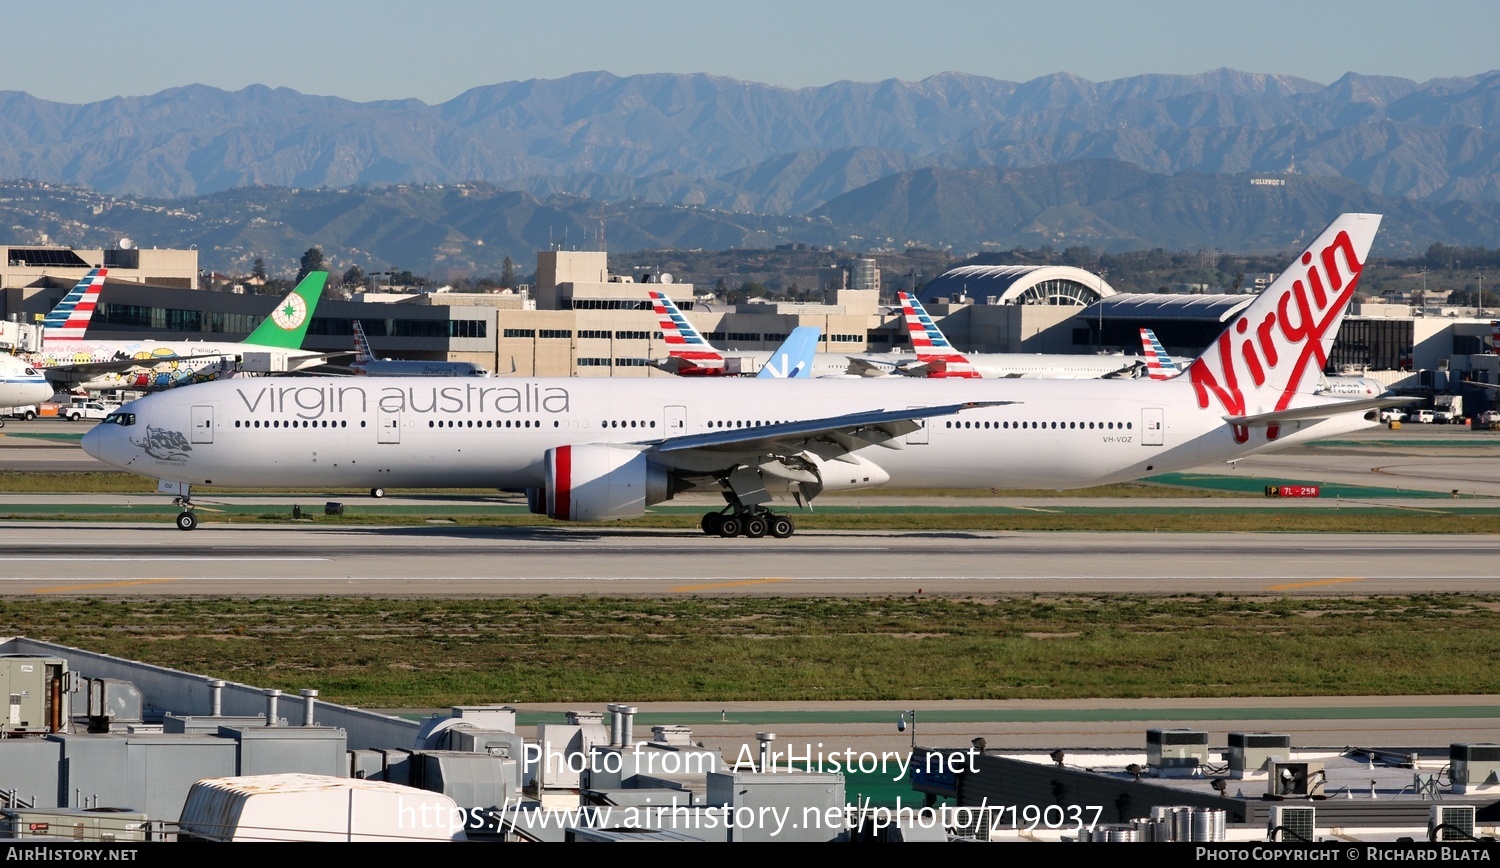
[[123, 419], [31, 372]]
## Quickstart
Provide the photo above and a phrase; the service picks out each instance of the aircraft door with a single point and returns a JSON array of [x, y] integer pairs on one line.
[[1152, 427], [675, 421], [389, 430], [919, 436], [203, 424]]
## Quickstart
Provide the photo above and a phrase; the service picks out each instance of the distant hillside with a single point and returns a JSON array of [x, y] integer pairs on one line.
[[456, 229], [1110, 205], [735, 145]]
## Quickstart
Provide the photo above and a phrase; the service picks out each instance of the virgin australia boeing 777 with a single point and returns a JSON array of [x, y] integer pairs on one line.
[[588, 450]]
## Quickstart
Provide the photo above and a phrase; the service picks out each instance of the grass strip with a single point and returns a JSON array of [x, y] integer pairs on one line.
[[376, 652]]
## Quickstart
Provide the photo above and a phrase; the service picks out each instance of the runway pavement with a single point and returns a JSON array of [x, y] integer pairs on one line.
[[157, 559], [154, 558]]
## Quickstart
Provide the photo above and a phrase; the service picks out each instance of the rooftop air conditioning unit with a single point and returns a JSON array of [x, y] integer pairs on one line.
[[1294, 823], [1474, 767], [1249, 753], [1295, 780], [1451, 823], [1176, 752]]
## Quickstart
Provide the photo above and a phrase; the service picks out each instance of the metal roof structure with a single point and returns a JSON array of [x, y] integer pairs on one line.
[[1151, 307], [1018, 284]]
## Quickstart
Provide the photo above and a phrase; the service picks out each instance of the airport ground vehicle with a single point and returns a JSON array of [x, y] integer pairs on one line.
[[81, 410], [1448, 409], [1424, 416], [1393, 414], [27, 412]]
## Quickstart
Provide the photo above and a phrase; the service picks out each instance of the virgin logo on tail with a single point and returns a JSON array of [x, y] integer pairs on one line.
[[1278, 346]]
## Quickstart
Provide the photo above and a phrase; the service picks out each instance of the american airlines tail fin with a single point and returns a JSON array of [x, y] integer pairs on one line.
[[688, 354], [287, 324], [70, 319], [794, 358], [929, 344], [1275, 350], [362, 352], [1159, 365]]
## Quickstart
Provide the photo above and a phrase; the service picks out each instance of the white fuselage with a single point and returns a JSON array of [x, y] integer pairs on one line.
[[390, 432], [1053, 366], [21, 384], [193, 361], [752, 361], [410, 368]]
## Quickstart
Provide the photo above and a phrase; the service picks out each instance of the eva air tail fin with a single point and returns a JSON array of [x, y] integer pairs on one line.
[[287, 324]]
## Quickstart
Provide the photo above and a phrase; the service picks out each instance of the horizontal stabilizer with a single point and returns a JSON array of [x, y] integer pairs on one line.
[[1317, 411]]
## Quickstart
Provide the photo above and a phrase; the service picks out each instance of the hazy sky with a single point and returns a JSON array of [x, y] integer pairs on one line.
[[435, 49]]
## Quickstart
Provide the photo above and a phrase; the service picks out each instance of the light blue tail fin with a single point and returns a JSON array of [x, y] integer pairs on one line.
[[794, 358]]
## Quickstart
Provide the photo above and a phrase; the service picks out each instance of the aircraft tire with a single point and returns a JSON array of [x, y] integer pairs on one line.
[[186, 521], [730, 526], [755, 526], [782, 526], [377, 492], [710, 523]]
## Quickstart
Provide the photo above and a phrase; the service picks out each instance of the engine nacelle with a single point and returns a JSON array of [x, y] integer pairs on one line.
[[595, 481], [851, 472]]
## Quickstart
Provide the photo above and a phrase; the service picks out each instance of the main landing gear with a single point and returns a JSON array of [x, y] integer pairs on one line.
[[753, 523], [186, 520]]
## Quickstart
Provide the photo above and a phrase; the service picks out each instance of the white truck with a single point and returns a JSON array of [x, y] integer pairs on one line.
[[80, 410], [1448, 409]]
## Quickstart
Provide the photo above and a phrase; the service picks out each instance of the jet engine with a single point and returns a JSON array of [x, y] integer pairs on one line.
[[596, 481]]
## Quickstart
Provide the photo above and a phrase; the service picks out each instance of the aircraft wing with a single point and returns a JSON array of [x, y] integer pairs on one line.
[[868, 367], [851, 431], [684, 367], [1324, 410], [1135, 369], [314, 360]]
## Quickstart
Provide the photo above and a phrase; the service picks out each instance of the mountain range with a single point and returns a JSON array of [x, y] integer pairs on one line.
[[696, 160]]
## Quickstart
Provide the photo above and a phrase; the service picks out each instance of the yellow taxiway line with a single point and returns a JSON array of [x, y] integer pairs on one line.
[[94, 585]]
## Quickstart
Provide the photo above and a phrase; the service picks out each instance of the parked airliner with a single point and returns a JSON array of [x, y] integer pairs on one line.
[[589, 450], [933, 356], [70, 361], [689, 354], [21, 384], [365, 363]]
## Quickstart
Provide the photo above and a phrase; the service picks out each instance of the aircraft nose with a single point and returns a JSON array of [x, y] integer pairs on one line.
[[90, 443], [96, 443]]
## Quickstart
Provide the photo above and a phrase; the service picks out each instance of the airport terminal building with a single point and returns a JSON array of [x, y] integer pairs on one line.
[[583, 320]]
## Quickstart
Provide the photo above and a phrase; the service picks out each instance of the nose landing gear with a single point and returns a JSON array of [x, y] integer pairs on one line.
[[186, 520]]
